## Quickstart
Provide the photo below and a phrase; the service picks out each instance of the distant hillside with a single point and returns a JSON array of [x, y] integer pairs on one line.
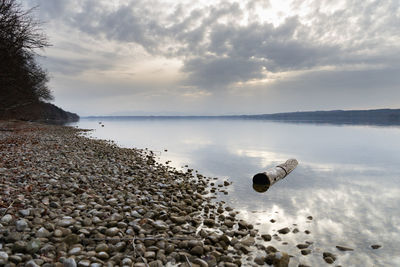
[[376, 116], [362, 117], [38, 111]]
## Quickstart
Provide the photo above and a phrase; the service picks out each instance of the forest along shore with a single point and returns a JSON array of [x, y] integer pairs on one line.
[[68, 200]]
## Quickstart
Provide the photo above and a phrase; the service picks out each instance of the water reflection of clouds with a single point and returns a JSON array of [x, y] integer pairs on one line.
[[353, 216]]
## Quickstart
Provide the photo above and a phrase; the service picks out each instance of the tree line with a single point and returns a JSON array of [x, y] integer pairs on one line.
[[22, 80]]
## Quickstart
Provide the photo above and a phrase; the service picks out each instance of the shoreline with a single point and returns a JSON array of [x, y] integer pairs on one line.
[[69, 200]]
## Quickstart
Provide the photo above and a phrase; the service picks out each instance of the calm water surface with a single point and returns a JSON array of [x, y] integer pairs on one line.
[[348, 178]]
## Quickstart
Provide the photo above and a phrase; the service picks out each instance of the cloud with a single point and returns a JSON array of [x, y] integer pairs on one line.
[[223, 43]]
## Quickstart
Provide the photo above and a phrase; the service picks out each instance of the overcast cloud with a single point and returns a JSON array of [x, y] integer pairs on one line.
[[195, 55]]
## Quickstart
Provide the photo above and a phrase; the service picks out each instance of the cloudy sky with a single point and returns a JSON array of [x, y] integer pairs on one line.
[[165, 57]]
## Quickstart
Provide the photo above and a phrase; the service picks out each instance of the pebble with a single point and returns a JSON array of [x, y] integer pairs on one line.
[[342, 248], [3, 256], [21, 225], [375, 246], [66, 221], [84, 263], [31, 263], [42, 233], [259, 260], [75, 251], [112, 231], [103, 255], [102, 247], [305, 251], [25, 212], [6, 219], [70, 262], [266, 237], [284, 230]]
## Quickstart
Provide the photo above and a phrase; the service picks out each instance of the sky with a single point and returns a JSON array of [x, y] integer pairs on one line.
[[184, 57]]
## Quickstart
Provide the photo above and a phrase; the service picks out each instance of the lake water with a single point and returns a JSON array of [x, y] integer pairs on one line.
[[348, 178]]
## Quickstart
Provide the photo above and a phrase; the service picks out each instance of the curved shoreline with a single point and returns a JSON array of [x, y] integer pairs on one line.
[[68, 199]]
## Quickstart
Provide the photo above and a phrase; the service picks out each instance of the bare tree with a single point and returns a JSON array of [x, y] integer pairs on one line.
[[22, 80]]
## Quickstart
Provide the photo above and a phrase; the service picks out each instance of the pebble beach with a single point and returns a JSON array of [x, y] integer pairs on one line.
[[69, 200]]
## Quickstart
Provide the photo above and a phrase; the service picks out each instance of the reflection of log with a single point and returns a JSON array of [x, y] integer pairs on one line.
[[275, 174]]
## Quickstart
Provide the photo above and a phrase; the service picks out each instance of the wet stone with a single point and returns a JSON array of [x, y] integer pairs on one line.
[[305, 251], [375, 246], [284, 230], [266, 237], [342, 248], [302, 246], [259, 260]]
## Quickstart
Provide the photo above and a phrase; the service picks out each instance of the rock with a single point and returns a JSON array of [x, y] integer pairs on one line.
[[329, 257], [149, 254], [249, 241], [25, 212], [295, 231], [329, 260], [200, 262], [160, 225], [270, 249], [375, 246], [21, 225], [305, 251], [209, 222], [266, 237], [302, 246], [31, 263], [43, 233], [33, 246], [156, 263], [19, 247], [84, 263], [72, 239], [281, 259], [75, 251], [197, 250], [15, 259], [342, 248], [178, 220], [103, 255], [112, 231], [70, 262], [3, 256], [259, 260], [66, 221], [284, 230], [116, 217], [310, 217], [6, 219], [102, 247]]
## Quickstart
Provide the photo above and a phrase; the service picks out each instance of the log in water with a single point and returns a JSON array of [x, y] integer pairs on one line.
[[273, 175]]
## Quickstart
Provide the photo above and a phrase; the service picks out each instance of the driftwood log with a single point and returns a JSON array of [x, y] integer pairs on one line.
[[264, 180]]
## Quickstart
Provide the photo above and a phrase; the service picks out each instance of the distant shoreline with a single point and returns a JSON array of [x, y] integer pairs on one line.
[[380, 117]]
